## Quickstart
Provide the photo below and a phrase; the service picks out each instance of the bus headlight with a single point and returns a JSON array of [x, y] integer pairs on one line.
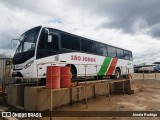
[[28, 64]]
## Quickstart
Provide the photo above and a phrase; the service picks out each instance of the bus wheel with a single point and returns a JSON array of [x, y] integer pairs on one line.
[[73, 75], [117, 74]]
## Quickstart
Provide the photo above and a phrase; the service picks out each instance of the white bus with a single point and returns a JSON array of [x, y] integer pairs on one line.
[[85, 56]]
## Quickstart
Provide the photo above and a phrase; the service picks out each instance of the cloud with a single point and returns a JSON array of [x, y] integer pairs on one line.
[[13, 23], [155, 30], [125, 14]]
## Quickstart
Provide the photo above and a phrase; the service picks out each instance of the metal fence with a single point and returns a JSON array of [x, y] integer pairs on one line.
[[146, 81], [86, 68]]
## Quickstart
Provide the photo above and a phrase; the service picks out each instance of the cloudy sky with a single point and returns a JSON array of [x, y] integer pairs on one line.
[[133, 25]]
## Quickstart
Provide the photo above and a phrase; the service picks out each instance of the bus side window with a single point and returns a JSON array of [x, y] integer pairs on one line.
[[130, 55], [45, 45], [126, 55], [55, 43], [88, 46], [120, 53], [45, 48], [42, 42], [101, 49], [111, 51], [70, 42]]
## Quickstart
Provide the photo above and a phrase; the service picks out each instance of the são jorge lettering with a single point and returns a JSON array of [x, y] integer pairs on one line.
[[79, 58]]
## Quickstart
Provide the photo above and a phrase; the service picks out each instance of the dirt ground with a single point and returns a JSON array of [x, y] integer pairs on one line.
[[142, 101], [145, 98]]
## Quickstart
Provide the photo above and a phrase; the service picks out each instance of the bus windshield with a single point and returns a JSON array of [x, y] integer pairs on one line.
[[26, 48], [28, 41]]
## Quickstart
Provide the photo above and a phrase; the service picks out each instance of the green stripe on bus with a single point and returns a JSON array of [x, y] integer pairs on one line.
[[104, 66]]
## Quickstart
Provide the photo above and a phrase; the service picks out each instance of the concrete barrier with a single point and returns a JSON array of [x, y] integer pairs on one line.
[[85, 92], [30, 98], [39, 98], [119, 86], [101, 89], [15, 95]]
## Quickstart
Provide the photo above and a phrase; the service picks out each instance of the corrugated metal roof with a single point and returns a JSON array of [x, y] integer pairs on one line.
[[5, 58], [4, 69]]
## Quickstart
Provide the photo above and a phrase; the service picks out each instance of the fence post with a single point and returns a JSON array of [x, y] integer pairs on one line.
[[128, 74], [143, 74], [37, 75], [86, 88], [51, 95], [97, 73], [121, 72], [155, 75]]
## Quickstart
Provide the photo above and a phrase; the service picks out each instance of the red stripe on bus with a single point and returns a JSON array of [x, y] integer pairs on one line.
[[112, 66]]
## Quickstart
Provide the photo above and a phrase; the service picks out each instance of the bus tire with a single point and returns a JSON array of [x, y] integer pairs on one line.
[[73, 75], [117, 73]]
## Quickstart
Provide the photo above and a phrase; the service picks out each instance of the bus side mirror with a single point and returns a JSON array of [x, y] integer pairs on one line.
[[49, 35], [15, 43], [49, 38]]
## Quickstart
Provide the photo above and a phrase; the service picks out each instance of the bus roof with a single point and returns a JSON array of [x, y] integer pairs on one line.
[[90, 39]]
